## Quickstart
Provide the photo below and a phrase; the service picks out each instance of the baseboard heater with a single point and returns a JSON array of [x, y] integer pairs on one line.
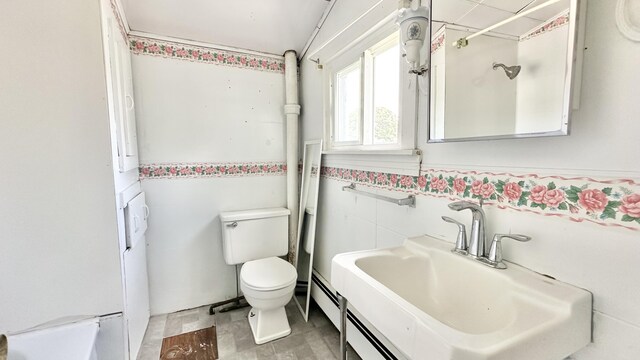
[[377, 344]]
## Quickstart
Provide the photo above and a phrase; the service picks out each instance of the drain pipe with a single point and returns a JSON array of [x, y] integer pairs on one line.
[[292, 112]]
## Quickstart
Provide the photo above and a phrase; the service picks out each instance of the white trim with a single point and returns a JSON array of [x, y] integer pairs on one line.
[[356, 65], [407, 101], [387, 24], [129, 193], [202, 44], [123, 16], [315, 32], [577, 77], [404, 162], [332, 39], [407, 152]]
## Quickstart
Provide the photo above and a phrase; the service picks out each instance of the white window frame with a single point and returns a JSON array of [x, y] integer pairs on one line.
[[365, 49]]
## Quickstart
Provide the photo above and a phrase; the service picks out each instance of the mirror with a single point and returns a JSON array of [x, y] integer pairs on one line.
[[307, 223], [507, 77]]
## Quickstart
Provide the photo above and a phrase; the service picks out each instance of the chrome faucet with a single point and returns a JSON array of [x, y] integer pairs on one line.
[[478, 237], [477, 248]]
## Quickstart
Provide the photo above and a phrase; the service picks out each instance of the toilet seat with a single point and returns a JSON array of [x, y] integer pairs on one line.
[[268, 274]]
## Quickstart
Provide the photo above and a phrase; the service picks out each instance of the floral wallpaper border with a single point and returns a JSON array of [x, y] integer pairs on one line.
[[116, 14], [437, 43], [167, 49], [610, 202], [557, 22], [205, 170], [614, 202], [210, 55]]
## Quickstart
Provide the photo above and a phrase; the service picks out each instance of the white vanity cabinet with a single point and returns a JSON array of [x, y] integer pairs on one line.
[[122, 97]]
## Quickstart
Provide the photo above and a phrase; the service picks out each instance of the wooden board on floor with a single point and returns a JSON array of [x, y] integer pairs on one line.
[[195, 345]]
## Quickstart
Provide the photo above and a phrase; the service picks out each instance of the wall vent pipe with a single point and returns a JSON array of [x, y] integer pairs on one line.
[[292, 113]]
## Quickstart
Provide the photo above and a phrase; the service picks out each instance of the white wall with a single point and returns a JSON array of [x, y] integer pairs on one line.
[[438, 82], [543, 61], [474, 90], [57, 215], [603, 143], [193, 112]]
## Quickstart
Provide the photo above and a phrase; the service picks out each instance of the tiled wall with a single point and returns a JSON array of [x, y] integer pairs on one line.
[[577, 195], [211, 139]]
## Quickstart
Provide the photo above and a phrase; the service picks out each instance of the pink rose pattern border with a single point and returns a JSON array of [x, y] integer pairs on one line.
[[140, 45], [116, 14], [614, 203], [198, 170], [167, 49], [437, 43], [553, 24]]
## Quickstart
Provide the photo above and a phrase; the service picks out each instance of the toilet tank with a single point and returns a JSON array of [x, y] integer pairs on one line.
[[254, 234]]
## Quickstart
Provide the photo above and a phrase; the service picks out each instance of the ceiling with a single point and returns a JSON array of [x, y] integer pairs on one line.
[[484, 13], [274, 26], [270, 26]]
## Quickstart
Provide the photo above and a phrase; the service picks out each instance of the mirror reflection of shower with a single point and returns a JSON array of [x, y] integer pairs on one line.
[[510, 71], [308, 210]]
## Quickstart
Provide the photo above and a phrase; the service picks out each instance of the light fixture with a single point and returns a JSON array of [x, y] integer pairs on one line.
[[414, 26]]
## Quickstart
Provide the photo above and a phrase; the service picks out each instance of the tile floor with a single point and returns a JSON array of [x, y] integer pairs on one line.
[[316, 339]]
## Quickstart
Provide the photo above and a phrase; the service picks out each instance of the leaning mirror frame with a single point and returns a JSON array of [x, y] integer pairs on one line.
[[570, 92], [311, 166]]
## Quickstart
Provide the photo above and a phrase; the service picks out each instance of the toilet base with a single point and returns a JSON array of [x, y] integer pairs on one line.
[[268, 325]]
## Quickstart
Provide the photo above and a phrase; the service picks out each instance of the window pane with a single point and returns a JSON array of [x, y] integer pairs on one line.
[[348, 104], [386, 88]]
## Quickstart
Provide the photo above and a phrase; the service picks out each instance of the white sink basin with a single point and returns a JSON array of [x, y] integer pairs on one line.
[[431, 303]]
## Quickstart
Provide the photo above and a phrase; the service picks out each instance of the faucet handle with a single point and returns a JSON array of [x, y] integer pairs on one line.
[[495, 252], [461, 240]]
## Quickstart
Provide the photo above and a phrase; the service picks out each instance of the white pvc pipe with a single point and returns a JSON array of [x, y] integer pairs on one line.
[[292, 112]]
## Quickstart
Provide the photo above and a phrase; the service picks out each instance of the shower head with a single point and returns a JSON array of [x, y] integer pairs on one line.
[[510, 71]]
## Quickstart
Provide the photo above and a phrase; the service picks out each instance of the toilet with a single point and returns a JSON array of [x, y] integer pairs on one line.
[[256, 238]]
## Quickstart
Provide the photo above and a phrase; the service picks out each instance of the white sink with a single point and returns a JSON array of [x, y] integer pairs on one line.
[[434, 304]]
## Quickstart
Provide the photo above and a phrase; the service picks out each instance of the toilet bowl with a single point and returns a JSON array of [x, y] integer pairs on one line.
[[255, 238], [268, 285]]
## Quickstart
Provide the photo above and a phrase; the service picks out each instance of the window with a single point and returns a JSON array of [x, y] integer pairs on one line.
[[366, 99], [386, 94], [348, 104]]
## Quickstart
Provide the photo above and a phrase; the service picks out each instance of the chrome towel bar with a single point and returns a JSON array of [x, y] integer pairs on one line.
[[408, 201]]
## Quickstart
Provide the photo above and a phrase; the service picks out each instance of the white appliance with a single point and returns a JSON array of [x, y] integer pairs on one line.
[[136, 282], [63, 342]]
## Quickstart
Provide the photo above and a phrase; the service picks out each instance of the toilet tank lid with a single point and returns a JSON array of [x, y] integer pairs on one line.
[[228, 216]]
